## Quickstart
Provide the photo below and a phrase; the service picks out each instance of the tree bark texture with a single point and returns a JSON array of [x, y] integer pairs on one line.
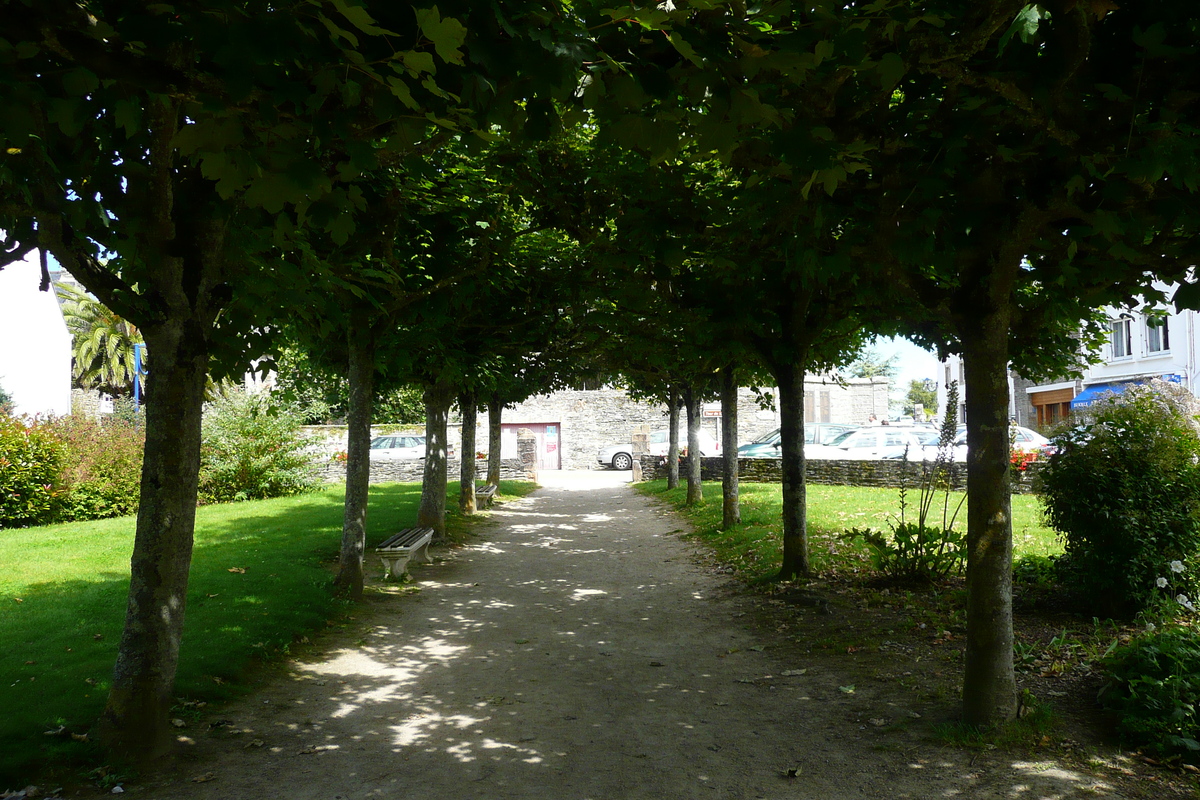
[[466, 469], [432, 511], [673, 439], [135, 722], [695, 493], [361, 373], [989, 683], [495, 442], [731, 512], [790, 377]]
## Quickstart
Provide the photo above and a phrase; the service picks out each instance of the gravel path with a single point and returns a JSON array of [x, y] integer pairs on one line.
[[579, 649]]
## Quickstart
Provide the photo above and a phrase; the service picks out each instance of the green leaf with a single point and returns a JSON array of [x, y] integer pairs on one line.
[[1187, 296], [891, 69], [685, 49], [402, 92], [418, 61], [1025, 25], [80, 82], [446, 34], [359, 18], [338, 32]]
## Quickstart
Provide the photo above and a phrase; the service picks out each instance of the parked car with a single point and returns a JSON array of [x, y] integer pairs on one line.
[[865, 444], [1023, 440], [620, 456], [767, 445], [398, 447]]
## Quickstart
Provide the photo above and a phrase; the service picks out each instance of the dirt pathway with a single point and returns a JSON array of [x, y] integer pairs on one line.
[[579, 650]]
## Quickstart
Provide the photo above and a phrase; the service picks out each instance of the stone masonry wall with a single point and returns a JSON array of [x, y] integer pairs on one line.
[[835, 472], [411, 470]]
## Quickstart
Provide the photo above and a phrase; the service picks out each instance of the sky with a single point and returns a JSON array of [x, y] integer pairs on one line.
[[914, 362]]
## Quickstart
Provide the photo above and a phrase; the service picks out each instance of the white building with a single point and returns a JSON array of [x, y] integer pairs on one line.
[[35, 346], [1143, 343]]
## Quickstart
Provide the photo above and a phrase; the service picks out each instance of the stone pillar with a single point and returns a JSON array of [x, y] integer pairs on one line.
[[527, 449], [641, 445]]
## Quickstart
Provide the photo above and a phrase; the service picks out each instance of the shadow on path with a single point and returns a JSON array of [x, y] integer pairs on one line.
[[578, 649]]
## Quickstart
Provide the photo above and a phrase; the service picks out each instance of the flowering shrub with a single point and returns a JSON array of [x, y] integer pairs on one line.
[[1123, 491], [101, 467], [30, 458], [1021, 459], [251, 450], [340, 457]]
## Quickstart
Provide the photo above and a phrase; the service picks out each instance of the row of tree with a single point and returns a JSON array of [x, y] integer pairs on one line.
[[494, 200]]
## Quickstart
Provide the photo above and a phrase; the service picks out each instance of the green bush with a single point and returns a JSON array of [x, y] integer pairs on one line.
[[102, 467], [30, 459], [1123, 491], [252, 451], [1154, 687]]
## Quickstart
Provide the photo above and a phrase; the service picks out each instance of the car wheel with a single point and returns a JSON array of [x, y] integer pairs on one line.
[[622, 461]]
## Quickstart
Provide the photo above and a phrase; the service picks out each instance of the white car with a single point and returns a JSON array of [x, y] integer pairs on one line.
[[403, 447], [1023, 440], [620, 456], [866, 444]]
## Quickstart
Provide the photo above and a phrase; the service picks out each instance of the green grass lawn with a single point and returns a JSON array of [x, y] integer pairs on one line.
[[261, 578], [754, 547]]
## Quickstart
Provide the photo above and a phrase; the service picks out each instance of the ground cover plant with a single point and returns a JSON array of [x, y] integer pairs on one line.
[[260, 581]]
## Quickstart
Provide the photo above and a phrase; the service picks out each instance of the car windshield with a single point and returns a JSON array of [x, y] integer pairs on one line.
[[381, 442], [658, 437], [768, 438], [841, 439]]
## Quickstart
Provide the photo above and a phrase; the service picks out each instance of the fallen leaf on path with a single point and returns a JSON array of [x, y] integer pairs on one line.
[[205, 778], [238, 570], [255, 743], [846, 689], [793, 772], [792, 673], [656, 663], [758, 648], [178, 723], [878, 723]]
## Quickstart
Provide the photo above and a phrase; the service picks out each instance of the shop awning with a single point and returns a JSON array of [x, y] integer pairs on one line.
[[1091, 394]]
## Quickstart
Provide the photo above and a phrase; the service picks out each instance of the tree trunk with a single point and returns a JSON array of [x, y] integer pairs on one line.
[[432, 511], [731, 512], [790, 377], [989, 684], [466, 463], [673, 445], [135, 722], [695, 493], [495, 442], [349, 579]]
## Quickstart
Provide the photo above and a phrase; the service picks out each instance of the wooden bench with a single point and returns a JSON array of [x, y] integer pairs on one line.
[[396, 551], [483, 497]]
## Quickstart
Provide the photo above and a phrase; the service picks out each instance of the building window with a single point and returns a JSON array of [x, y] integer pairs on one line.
[[1122, 343], [1158, 336]]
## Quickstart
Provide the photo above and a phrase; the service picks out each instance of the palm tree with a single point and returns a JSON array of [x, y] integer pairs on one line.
[[103, 344]]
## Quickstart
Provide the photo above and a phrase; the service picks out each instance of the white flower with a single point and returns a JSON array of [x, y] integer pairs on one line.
[[1182, 599], [1176, 566], [1150, 626], [1162, 583]]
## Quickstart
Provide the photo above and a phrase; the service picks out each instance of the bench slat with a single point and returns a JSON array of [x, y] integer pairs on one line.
[[405, 538]]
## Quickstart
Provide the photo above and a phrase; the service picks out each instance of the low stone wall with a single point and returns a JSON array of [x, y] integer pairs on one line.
[[411, 470], [835, 472]]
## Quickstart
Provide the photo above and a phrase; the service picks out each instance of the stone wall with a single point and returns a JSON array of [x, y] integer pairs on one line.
[[590, 420], [411, 470], [835, 472]]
